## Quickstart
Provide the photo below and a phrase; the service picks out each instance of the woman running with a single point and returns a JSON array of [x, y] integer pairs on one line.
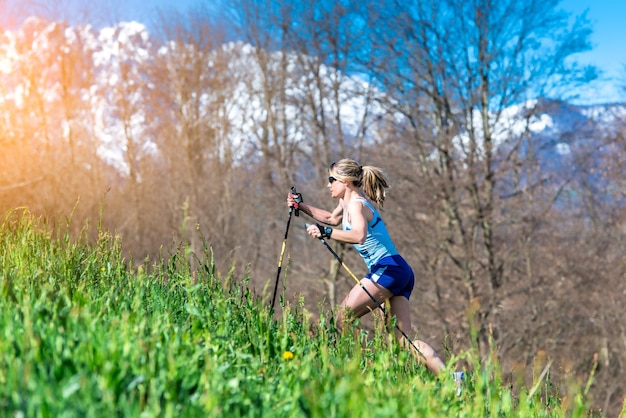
[[361, 193]]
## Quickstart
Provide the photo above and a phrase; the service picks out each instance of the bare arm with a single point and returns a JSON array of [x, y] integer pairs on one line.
[[321, 215], [359, 216]]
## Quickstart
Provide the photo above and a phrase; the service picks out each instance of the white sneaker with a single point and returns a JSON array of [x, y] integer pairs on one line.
[[458, 380]]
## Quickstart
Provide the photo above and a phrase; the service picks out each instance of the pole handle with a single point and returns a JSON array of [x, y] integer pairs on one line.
[[298, 200]]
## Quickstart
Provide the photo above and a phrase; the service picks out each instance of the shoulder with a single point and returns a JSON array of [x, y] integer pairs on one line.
[[363, 202], [357, 202], [360, 204]]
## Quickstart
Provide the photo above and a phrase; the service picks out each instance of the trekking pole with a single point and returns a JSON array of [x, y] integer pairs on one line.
[[295, 207], [381, 307]]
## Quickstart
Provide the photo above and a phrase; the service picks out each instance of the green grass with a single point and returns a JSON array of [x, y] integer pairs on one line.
[[87, 334]]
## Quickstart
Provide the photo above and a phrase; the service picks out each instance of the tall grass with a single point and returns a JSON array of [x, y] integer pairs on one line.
[[85, 333]]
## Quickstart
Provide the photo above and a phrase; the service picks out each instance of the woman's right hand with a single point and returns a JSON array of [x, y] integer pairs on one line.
[[294, 200]]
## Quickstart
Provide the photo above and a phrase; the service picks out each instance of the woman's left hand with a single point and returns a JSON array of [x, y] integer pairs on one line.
[[313, 231]]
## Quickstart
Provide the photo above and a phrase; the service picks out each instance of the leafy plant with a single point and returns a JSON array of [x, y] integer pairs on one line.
[[88, 334]]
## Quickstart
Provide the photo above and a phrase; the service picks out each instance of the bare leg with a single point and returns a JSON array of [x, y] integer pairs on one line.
[[358, 303], [400, 309]]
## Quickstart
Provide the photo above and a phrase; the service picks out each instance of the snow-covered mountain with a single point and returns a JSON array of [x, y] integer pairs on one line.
[[117, 73], [109, 72]]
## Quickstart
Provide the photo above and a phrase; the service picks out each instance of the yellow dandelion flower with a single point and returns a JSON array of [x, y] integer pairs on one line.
[[287, 355]]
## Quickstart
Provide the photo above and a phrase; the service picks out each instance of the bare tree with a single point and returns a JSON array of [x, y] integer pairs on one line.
[[464, 65], [193, 98]]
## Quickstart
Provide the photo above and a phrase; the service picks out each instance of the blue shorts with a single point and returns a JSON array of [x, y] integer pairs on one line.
[[393, 273]]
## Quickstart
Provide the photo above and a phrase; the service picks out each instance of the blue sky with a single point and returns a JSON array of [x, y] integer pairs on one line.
[[608, 18]]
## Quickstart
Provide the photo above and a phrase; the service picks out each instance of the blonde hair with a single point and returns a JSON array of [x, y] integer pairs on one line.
[[370, 179]]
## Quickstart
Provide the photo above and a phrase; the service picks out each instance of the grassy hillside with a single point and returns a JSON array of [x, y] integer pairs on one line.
[[86, 333]]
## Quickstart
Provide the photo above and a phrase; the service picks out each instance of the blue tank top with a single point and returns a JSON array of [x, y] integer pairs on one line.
[[378, 243]]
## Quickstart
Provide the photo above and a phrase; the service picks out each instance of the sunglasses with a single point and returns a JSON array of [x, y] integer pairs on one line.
[[331, 179]]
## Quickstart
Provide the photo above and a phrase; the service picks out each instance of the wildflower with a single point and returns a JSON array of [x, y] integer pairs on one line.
[[287, 355]]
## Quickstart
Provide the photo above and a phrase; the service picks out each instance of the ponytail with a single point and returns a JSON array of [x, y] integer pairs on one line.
[[373, 184]]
